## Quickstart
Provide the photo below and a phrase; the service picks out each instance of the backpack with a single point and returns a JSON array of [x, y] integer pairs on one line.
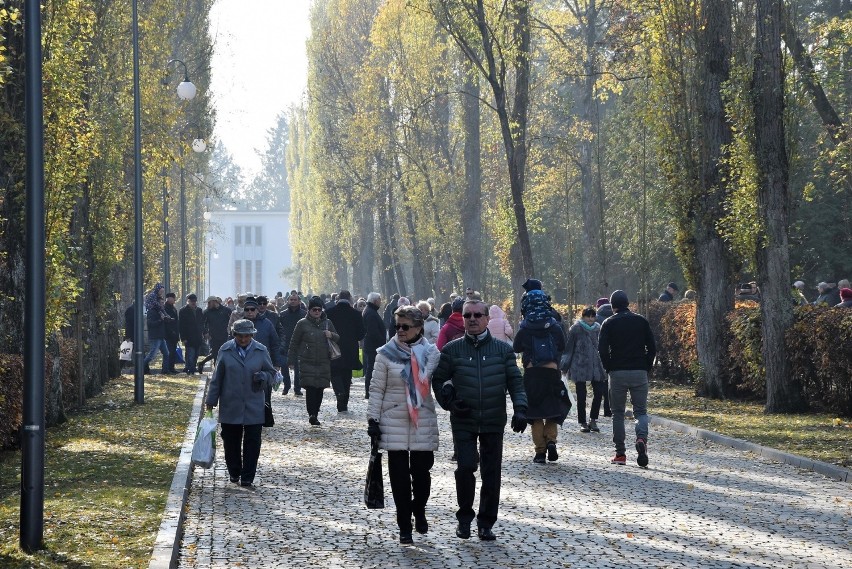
[[542, 349]]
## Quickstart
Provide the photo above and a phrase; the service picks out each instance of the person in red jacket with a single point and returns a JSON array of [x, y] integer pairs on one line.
[[454, 327]]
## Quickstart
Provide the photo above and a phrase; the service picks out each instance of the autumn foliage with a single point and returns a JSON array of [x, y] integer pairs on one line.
[[817, 348]]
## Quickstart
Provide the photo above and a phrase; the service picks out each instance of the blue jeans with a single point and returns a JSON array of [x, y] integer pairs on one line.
[[159, 343], [191, 359], [636, 382]]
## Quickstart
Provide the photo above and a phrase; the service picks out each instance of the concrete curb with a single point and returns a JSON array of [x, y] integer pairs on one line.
[[828, 470], [167, 544]]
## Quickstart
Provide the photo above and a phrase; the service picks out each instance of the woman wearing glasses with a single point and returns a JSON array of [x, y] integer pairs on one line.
[[402, 414], [309, 344]]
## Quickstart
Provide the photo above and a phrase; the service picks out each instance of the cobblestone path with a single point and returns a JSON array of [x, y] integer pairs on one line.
[[696, 505]]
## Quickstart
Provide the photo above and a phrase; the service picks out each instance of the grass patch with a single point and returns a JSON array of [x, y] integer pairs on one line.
[[814, 435], [108, 471]]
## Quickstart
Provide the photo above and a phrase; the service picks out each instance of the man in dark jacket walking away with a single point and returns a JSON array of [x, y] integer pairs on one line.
[[473, 376], [627, 350], [391, 307], [350, 326], [190, 317], [172, 330], [287, 320], [375, 336], [215, 324]]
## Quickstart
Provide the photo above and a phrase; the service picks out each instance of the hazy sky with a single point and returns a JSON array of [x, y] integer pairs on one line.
[[259, 70]]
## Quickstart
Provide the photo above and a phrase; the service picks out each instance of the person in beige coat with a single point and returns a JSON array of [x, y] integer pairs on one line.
[[402, 413]]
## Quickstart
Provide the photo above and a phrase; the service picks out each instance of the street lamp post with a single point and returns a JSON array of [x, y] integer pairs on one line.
[[167, 273], [32, 428], [138, 324], [198, 146]]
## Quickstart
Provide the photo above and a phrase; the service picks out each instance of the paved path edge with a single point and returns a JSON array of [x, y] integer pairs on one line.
[[824, 468], [167, 544]]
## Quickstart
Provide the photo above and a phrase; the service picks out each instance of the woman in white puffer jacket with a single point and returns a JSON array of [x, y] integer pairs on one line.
[[402, 412]]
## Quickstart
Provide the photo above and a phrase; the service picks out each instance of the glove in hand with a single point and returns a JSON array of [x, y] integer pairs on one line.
[[519, 422], [373, 428], [448, 393], [460, 409]]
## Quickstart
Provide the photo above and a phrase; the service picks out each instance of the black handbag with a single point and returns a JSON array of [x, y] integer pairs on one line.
[[268, 419], [374, 491]]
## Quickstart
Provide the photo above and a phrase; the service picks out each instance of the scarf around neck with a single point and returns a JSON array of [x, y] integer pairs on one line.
[[413, 372]]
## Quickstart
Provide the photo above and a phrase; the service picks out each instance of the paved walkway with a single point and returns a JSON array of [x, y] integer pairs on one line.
[[697, 505]]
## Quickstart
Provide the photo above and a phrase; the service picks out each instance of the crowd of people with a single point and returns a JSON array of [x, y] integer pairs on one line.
[[837, 294], [415, 355]]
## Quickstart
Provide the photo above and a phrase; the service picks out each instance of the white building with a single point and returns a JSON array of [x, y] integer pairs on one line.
[[247, 251]]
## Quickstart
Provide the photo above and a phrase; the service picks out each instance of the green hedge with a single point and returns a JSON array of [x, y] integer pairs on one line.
[[819, 348]]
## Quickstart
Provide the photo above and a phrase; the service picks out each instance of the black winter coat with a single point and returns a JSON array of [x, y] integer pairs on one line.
[[129, 321], [350, 326], [172, 326], [216, 324], [375, 335], [482, 372], [190, 326], [626, 342], [287, 320], [156, 325]]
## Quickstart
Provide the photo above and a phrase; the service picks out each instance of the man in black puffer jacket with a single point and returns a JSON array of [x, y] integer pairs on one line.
[[627, 350], [473, 376]]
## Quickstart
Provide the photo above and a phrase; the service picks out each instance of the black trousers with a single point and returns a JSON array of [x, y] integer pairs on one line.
[[490, 459], [172, 345], [313, 399], [341, 381], [599, 392], [369, 362], [409, 475], [241, 462]]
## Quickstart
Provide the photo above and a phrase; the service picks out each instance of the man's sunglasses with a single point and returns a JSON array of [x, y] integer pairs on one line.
[[250, 309], [476, 315]]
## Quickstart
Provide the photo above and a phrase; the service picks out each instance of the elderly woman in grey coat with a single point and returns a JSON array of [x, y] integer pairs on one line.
[[402, 413], [582, 362], [309, 347], [238, 387]]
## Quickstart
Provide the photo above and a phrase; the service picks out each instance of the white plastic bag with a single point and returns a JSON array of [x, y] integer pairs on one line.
[[125, 351], [276, 383], [204, 449], [567, 383]]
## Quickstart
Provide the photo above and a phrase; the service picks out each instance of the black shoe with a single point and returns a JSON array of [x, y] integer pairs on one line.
[[552, 455], [201, 368], [147, 369], [454, 458], [485, 534], [463, 531], [405, 537], [247, 485], [539, 458], [297, 392], [235, 479], [642, 449], [420, 524], [314, 421]]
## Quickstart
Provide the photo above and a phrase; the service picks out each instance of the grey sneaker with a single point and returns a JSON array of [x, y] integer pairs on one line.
[[593, 426], [584, 428]]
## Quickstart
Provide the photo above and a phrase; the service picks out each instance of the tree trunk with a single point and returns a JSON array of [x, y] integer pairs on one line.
[[713, 275], [783, 393], [365, 258], [591, 285], [387, 272], [471, 210]]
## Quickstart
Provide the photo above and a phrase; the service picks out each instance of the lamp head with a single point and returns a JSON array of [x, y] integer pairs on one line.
[[186, 90]]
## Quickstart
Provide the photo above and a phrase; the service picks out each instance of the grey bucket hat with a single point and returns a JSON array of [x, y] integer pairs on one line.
[[244, 326]]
